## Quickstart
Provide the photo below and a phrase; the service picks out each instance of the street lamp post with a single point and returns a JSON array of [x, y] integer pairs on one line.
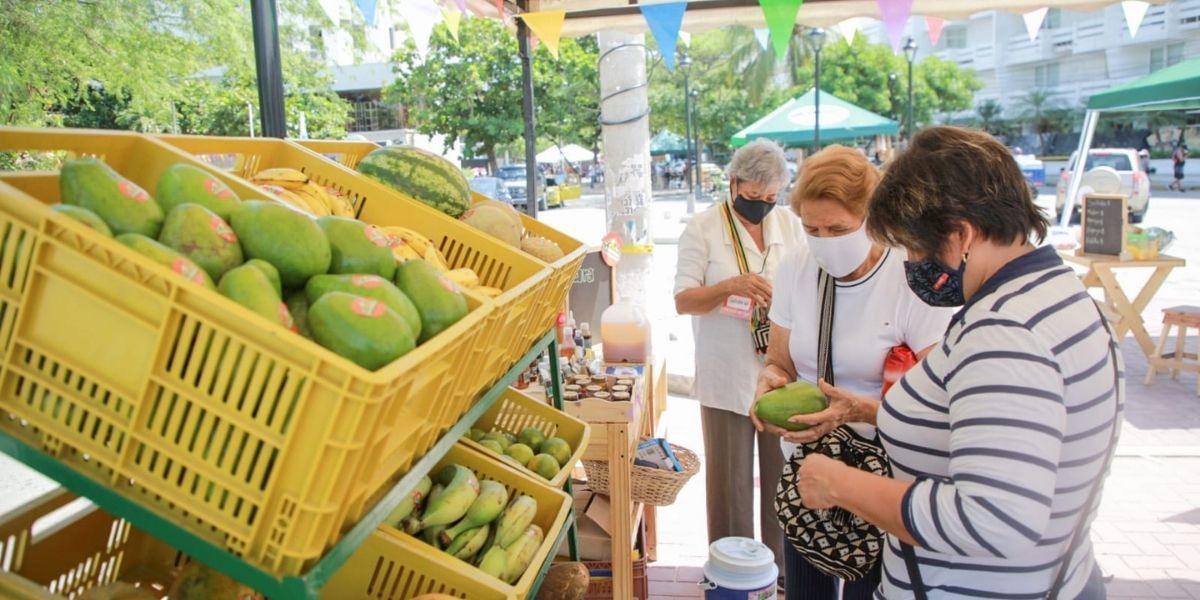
[[910, 53], [698, 189], [892, 77], [816, 40], [685, 64]]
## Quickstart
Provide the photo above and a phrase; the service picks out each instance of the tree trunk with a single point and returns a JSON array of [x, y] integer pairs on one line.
[[491, 157]]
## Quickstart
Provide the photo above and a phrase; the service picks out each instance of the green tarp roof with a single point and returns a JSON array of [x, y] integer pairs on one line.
[[1174, 88], [666, 142], [792, 124]]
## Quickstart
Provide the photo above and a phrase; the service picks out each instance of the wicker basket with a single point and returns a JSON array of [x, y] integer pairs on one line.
[[656, 487]]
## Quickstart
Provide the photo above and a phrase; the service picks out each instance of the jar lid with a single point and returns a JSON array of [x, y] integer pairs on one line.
[[739, 556]]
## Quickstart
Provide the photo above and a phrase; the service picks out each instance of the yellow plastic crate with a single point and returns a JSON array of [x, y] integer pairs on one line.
[[514, 411], [392, 565], [184, 401]]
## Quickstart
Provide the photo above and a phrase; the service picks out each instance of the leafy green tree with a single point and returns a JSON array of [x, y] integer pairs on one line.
[[989, 116], [1042, 112], [568, 98]]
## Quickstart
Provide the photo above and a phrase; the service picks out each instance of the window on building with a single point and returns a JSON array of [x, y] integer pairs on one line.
[[1053, 19], [1165, 56], [955, 37], [1046, 76]]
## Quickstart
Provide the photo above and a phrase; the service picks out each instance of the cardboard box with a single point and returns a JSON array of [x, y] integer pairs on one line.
[[595, 537]]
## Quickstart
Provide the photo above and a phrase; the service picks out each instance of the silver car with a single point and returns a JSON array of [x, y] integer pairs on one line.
[[1135, 182]]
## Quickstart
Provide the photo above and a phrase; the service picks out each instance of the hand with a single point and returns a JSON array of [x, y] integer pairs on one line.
[[750, 285], [818, 474], [840, 411], [771, 377]]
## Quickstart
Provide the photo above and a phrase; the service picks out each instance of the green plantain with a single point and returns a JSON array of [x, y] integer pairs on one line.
[[468, 544], [461, 489], [494, 562], [486, 507], [521, 552], [410, 503], [514, 520]]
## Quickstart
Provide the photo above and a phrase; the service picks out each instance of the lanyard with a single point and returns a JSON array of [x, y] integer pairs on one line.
[[758, 319]]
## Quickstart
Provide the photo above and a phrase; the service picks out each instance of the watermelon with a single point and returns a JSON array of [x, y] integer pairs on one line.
[[422, 175]]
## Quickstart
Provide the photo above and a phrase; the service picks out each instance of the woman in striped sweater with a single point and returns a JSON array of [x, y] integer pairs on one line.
[[999, 439]]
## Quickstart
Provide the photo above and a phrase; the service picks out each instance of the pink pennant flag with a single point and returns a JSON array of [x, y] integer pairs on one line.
[[894, 14], [934, 25]]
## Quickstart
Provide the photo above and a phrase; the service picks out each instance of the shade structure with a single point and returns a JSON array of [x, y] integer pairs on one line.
[[1174, 88], [569, 153], [665, 142], [793, 123]]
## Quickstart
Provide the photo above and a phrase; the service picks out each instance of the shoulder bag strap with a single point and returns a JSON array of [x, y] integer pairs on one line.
[[825, 287], [758, 317]]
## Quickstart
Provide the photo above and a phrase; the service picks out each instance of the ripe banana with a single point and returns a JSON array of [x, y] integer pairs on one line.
[[461, 489], [435, 258], [283, 177], [402, 251], [514, 520], [418, 242], [339, 204], [410, 503], [467, 545], [318, 201], [521, 553], [494, 562], [493, 496], [464, 277]]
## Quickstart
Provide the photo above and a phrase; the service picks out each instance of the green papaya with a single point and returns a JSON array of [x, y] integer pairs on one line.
[[182, 183], [204, 237], [84, 216], [124, 206], [297, 304], [251, 287], [367, 286], [167, 257], [438, 300], [271, 272], [796, 398], [292, 242], [363, 330], [358, 247]]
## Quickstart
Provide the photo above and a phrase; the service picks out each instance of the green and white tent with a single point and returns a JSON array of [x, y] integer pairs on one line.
[[1174, 88], [792, 124]]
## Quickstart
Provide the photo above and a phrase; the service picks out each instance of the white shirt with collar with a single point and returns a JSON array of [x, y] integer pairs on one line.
[[726, 365]]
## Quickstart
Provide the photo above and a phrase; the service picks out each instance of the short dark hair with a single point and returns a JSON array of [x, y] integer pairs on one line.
[[952, 174]]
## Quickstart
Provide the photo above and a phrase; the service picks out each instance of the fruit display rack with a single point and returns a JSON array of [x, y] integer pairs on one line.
[[307, 585]]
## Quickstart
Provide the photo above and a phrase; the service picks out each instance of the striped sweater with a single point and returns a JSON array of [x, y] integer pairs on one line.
[[1003, 430]]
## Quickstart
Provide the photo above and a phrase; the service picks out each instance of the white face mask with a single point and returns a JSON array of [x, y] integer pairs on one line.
[[840, 256]]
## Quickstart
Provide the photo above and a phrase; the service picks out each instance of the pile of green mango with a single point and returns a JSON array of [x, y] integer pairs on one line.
[[530, 449], [474, 521], [328, 279]]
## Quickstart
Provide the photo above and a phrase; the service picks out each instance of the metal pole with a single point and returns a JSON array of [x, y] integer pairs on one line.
[[817, 106], [531, 187], [264, 17], [909, 120], [699, 189], [687, 118], [1085, 143]]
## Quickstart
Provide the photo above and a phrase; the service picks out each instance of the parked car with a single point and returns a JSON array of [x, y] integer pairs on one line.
[[514, 180], [492, 187], [1135, 183], [1033, 170]]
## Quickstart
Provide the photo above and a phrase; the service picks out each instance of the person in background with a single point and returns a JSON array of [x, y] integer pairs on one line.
[[1144, 160], [873, 311], [999, 439], [712, 286], [1178, 159]]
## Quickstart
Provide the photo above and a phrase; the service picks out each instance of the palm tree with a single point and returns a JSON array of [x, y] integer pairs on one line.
[[759, 68], [989, 117], [1039, 113]]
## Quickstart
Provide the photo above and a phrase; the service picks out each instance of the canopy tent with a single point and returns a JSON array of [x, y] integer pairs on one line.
[[570, 153], [665, 142], [793, 123]]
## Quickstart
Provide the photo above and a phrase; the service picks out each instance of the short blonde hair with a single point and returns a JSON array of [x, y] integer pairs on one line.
[[761, 161], [840, 174]]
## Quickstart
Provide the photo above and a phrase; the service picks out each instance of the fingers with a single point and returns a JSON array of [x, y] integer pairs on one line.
[[808, 435], [829, 416], [758, 424], [774, 430]]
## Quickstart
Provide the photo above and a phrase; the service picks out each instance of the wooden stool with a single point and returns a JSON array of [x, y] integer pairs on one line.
[[1182, 318]]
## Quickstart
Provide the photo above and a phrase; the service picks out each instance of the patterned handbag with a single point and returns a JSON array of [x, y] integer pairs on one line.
[[835, 541]]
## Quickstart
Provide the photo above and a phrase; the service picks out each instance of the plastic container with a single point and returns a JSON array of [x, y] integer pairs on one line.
[[186, 402], [514, 411], [391, 564], [625, 333], [739, 568], [600, 587]]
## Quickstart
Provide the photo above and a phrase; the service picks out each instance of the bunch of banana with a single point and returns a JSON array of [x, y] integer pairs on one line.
[[413, 502], [408, 245], [295, 188], [460, 488]]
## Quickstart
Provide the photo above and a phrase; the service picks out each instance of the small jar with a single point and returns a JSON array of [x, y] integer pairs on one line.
[[570, 397], [599, 380], [620, 388], [593, 389], [620, 396], [582, 380], [571, 387], [602, 396], [625, 382]]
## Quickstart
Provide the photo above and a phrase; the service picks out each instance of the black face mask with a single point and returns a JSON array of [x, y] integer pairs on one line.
[[753, 210], [934, 283]]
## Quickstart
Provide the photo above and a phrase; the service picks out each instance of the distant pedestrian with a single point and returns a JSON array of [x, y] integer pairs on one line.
[[1144, 160], [1179, 157]]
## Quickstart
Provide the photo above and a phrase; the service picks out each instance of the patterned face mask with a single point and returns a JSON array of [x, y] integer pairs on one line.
[[934, 283]]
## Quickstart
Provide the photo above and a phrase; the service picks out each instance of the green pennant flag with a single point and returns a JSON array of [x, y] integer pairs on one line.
[[781, 18]]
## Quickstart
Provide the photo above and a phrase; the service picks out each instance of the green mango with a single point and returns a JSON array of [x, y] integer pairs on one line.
[[292, 242], [367, 286], [358, 248], [796, 398], [123, 205], [182, 183], [363, 330], [251, 287], [438, 299], [167, 257], [84, 216], [297, 303], [204, 237]]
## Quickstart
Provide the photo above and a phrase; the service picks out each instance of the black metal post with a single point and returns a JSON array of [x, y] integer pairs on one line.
[[687, 118], [892, 77], [908, 121], [817, 105], [531, 187], [264, 17], [695, 143]]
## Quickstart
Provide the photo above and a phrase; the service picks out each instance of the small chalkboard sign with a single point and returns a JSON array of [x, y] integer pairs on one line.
[[593, 290], [1104, 222]]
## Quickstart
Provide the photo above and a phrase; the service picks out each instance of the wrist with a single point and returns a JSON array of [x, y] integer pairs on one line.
[[836, 482]]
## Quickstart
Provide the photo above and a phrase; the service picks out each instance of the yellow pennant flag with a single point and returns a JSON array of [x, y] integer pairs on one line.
[[451, 17], [547, 26]]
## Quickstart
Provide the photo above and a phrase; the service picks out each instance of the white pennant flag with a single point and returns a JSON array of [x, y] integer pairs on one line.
[[1033, 22], [849, 28], [1135, 11], [763, 35], [685, 37], [422, 17]]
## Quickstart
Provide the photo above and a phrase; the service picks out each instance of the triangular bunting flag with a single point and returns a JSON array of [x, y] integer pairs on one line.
[[1135, 11], [532, 44], [894, 14], [934, 25], [764, 38], [452, 18], [547, 26], [781, 19], [1033, 22], [685, 37], [849, 28], [368, 10], [664, 21], [462, 6], [422, 16]]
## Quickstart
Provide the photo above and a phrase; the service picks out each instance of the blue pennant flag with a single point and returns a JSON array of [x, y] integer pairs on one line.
[[368, 10], [664, 21]]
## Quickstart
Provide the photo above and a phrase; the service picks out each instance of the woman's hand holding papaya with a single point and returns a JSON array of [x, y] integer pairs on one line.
[[844, 407], [770, 378]]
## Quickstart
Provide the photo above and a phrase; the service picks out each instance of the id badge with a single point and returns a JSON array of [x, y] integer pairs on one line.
[[738, 306]]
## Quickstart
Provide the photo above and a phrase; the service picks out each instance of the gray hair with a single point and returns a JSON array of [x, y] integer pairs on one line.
[[761, 161]]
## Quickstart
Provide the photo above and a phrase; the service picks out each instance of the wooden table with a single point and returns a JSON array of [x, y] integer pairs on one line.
[[1101, 274]]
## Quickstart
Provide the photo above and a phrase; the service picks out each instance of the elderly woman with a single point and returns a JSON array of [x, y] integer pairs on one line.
[[727, 257], [874, 311], [999, 441]]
